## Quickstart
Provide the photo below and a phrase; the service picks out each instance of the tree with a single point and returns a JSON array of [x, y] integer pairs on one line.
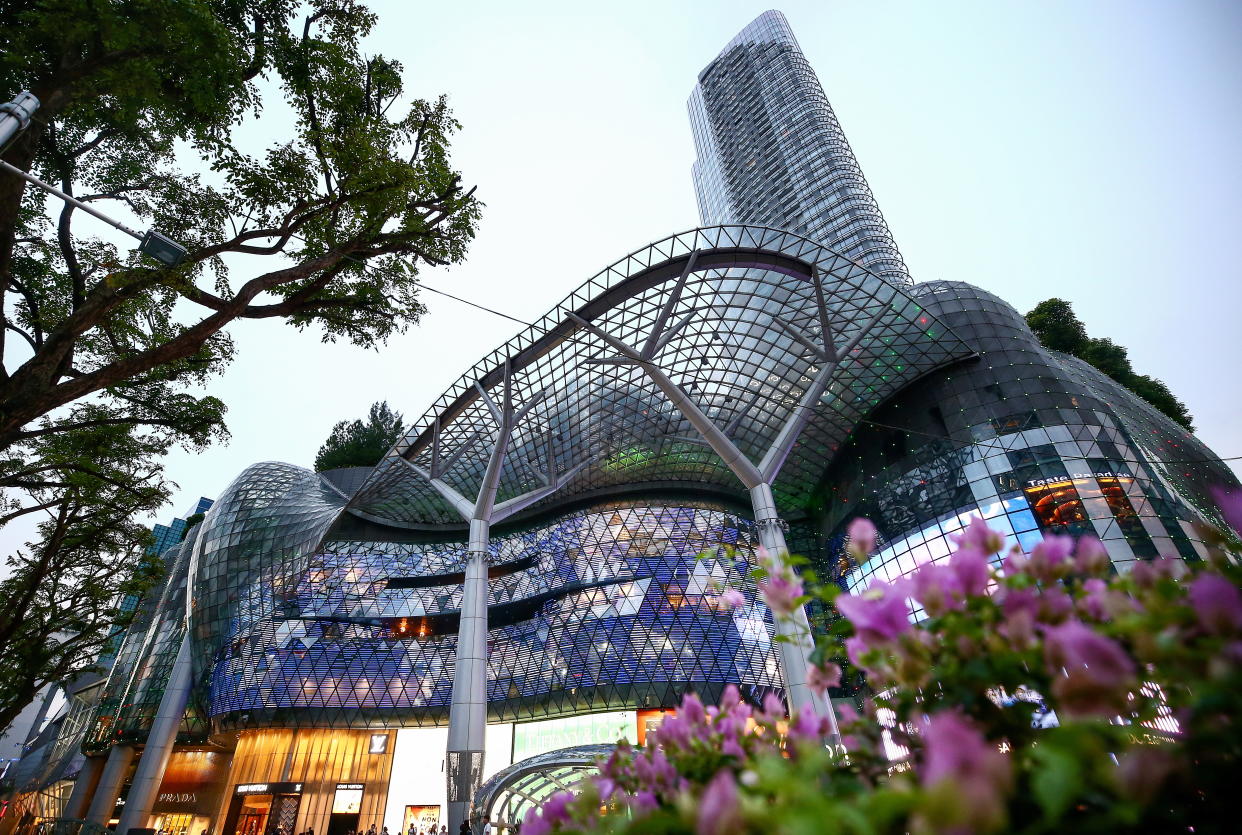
[[358, 444], [191, 521], [61, 593], [336, 219], [327, 228], [1053, 321]]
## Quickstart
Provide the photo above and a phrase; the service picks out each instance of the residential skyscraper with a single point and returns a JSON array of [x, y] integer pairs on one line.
[[771, 152]]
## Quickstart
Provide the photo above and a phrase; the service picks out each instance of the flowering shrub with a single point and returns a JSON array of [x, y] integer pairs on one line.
[[1041, 693]]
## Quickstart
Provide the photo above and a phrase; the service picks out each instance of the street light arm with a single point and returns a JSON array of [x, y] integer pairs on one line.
[[73, 201]]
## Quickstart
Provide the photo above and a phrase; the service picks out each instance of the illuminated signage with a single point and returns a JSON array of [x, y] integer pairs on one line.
[[268, 788], [348, 799], [176, 797], [1065, 481], [379, 743]]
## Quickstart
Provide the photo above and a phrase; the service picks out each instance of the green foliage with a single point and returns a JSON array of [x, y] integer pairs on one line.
[[324, 224], [190, 523], [61, 591], [1058, 328], [361, 444], [1051, 696]]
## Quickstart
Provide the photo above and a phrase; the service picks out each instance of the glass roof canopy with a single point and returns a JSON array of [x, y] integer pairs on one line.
[[735, 315]]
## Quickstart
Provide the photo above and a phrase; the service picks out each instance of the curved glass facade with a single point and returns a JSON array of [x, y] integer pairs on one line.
[[792, 371], [1034, 441], [605, 608]]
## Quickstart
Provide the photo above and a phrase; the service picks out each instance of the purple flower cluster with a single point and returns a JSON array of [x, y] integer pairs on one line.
[[781, 588], [1057, 628], [960, 762], [722, 739]]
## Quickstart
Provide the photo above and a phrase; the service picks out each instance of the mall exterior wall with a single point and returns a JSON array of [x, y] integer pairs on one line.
[[1035, 441], [323, 612]]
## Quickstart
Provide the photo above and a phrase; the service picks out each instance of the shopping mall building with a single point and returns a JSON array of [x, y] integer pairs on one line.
[[535, 567]]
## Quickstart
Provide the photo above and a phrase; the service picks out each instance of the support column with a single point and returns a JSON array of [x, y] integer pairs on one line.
[[159, 745], [468, 711], [83, 788], [795, 653], [109, 789]]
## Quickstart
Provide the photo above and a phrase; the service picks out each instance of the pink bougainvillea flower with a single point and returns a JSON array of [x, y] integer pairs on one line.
[[1015, 562], [1090, 557], [971, 567], [719, 812], [731, 747], [732, 599], [956, 753], [643, 801], [1092, 674], [1055, 605], [1050, 559], [674, 732], [820, 677], [535, 824], [556, 807], [862, 536], [977, 536], [1095, 599], [1016, 600], [855, 648], [1018, 628], [937, 587], [878, 614], [773, 709], [692, 710], [781, 592], [807, 727], [1217, 604]]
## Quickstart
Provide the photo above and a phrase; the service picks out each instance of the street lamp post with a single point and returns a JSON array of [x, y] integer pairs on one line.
[[15, 116]]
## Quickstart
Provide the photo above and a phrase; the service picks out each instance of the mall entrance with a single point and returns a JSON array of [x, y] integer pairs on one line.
[[263, 809], [346, 808]]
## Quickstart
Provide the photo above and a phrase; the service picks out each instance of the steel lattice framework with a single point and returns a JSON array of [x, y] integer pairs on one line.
[[506, 797], [741, 318]]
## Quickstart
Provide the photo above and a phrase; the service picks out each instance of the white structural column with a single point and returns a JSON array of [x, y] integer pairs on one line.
[[109, 788], [159, 745], [795, 652], [468, 708], [79, 798]]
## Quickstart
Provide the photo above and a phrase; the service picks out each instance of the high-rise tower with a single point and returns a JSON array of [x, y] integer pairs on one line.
[[770, 150]]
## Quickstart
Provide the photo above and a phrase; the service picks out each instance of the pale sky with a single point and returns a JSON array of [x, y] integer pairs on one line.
[[1088, 150]]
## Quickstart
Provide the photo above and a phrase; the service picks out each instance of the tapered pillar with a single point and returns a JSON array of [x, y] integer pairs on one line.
[[468, 710], [109, 788], [160, 741], [83, 788], [795, 652]]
